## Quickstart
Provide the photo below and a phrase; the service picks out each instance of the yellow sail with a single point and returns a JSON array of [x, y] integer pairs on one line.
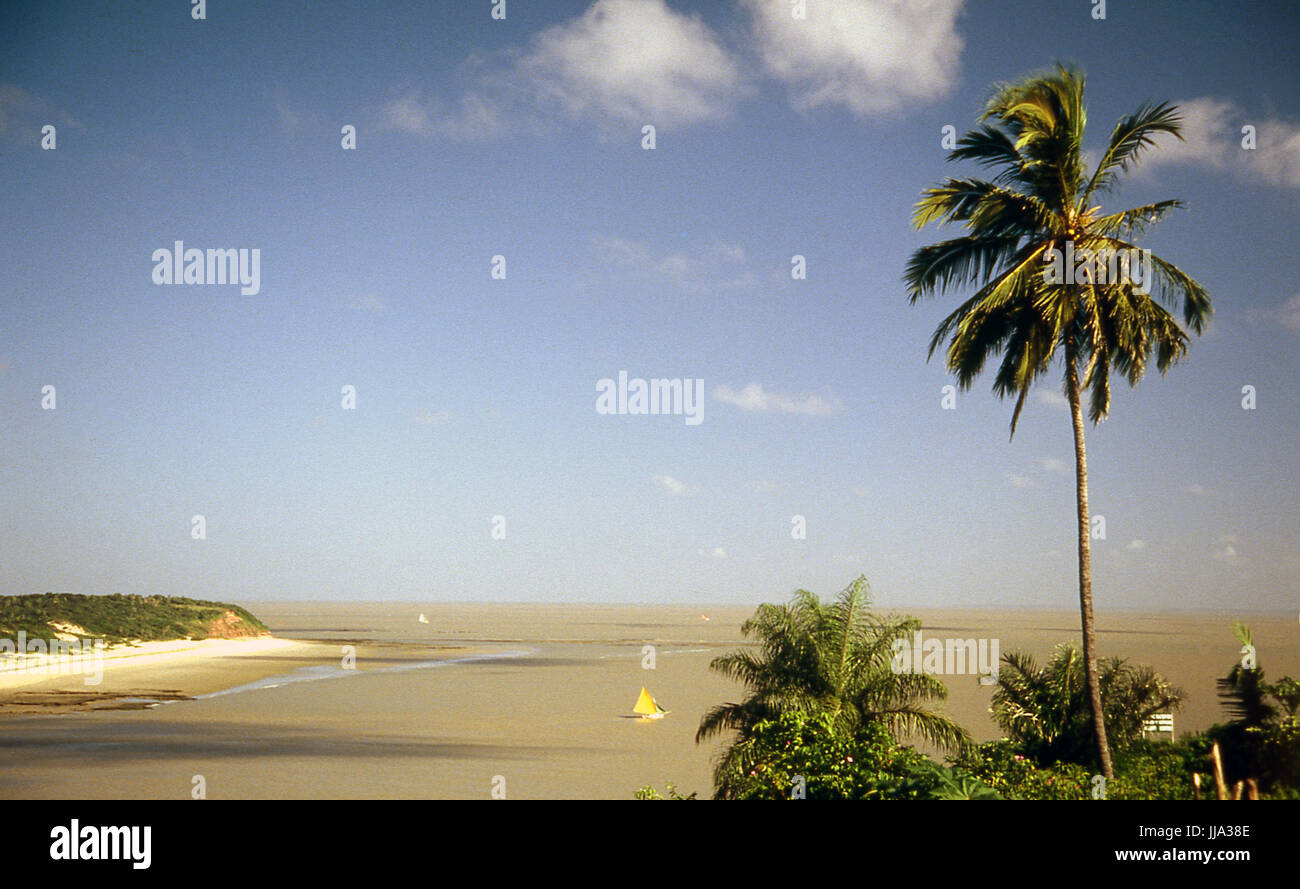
[[645, 705]]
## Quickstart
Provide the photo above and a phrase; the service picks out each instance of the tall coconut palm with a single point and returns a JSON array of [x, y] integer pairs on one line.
[[818, 658], [1036, 211]]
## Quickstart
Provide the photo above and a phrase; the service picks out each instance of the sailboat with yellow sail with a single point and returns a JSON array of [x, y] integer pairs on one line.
[[647, 707]]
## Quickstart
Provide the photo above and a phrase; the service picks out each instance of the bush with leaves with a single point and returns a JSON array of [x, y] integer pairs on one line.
[[647, 791], [1002, 766], [1160, 770], [834, 763], [1045, 710]]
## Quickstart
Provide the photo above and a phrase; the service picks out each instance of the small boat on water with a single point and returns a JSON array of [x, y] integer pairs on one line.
[[423, 619], [647, 707]]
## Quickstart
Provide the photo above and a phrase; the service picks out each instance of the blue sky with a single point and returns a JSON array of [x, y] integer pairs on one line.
[[475, 397]]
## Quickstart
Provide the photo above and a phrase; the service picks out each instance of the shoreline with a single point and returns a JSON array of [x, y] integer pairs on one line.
[[144, 675], [19, 670]]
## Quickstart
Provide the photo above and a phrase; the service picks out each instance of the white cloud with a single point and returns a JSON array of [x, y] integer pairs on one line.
[[1051, 464], [695, 267], [1212, 137], [472, 117], [1196, 490], [1136, 544], [1287, 314], [754, 398], [716, 553], [23, 113], [636, 61], [290, 120], [1019, 481], [869, 56], [672, 485], [764, 486], [729, 252], [1051, 398], [407, 114]]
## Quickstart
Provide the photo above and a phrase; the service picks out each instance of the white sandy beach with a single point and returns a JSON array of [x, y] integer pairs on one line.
[[91, 667]]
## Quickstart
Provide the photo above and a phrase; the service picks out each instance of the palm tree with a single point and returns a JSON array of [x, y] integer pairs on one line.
[[1037, 208], [1244, 692], [829, 659], [1045, 710]]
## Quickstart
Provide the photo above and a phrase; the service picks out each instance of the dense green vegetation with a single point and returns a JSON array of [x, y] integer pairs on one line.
[[118, 618], [1045, 711], [829, 660], [824, 717]]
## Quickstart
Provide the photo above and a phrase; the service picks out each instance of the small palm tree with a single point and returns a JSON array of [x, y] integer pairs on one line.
[[1246, 695], [833, 659], [1045, 710], [1039, 206]]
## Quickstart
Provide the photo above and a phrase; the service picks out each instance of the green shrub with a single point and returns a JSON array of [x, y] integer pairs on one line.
[[1003, 767], [833, 764]]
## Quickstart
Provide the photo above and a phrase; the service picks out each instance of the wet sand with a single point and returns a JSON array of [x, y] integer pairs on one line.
[[534, 697]]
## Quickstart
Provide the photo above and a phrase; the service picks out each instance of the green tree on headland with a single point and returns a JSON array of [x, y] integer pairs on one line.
[[1039, 207]]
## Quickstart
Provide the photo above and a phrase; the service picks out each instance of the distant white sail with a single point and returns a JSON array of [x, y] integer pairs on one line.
[[423, 619]]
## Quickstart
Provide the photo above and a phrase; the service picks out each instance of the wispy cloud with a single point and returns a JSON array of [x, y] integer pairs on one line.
[[634, 61], [673, 486], [23, 113], [1212, 137], [472, 117], [1020, 481], [1051, 464], [292, 118], [869, 56], [1051, 398], [693, 266], [716, 552], [755, 398], [1286, 313], [1136, 544], [407, 114]]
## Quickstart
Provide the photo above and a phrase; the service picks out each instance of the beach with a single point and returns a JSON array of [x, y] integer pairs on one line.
[[533, 701]]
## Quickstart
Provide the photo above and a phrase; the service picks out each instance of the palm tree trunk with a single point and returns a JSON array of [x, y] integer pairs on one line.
[[1085, 564]]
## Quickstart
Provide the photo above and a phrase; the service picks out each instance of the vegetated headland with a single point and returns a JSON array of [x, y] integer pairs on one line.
[[124, 618]]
